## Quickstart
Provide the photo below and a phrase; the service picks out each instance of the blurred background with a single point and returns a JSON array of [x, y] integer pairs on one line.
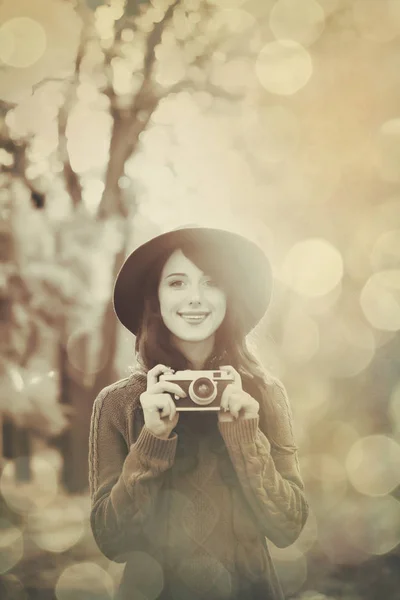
[[121, 119]]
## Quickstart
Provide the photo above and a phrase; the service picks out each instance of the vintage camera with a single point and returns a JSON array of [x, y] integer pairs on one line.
[[203, 388]]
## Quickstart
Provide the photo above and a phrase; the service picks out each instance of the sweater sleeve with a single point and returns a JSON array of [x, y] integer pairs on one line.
[[124, 482], [268, 469]]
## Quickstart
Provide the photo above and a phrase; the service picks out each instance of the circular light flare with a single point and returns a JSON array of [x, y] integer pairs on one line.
[[171, 66], [11, 545], [312, 393], [233, 20], [302, 22], [233, 76], [23, 42], [335, 533], [300, 339], [57, 529], [371, 224], [385, 253], [283, 67], [84, 578], [376, 530], [33, 495], [347, 345], [344, 435], [380, 300], [372, 465], [312, 267], [116, 570]]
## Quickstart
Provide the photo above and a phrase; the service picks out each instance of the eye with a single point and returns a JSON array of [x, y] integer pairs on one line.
[[211, 282], [176, 283]]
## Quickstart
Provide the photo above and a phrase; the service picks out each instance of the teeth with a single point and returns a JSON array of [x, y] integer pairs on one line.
[[194, 317]]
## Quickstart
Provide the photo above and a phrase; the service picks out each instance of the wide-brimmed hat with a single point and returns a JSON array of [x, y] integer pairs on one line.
[[243, 262]]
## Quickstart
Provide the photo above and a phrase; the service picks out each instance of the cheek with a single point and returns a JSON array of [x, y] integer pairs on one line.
[[220, 305], [166, 302]]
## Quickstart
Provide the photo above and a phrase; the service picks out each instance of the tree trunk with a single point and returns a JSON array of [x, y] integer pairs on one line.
[[15, 442], [74, 443]]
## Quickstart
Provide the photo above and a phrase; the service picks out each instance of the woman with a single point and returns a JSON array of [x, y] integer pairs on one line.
[[187, 499]]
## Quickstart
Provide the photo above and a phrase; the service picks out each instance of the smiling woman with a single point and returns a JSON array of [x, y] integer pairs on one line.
[[192, 306], [197, 491]]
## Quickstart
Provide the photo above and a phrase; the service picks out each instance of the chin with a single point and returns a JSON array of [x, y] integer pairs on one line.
[[193, 337]]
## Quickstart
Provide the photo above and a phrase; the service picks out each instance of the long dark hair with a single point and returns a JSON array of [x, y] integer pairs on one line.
[[153, 346]]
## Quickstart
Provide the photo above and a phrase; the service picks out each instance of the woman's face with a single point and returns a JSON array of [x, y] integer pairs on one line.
[[192, 306]]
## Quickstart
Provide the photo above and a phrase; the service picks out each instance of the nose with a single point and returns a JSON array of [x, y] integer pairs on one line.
[[194, 295]]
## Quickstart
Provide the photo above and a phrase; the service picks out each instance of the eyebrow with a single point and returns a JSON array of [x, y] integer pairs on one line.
[[180, 274]]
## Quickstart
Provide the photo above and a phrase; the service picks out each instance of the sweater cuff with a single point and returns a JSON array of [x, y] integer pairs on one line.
[[241, 431], [153, 447]]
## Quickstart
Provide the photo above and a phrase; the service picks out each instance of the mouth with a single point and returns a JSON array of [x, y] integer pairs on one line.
[[194, 318]]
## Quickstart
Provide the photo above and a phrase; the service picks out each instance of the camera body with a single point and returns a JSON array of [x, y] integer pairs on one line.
[[203, 388]]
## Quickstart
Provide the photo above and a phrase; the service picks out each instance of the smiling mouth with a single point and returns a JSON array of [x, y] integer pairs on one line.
[[194, 317]]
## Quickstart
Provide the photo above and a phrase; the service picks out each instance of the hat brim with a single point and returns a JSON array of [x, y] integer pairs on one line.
[[245, 264]]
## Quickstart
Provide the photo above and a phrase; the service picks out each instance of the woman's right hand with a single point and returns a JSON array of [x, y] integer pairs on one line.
[[159, 410]]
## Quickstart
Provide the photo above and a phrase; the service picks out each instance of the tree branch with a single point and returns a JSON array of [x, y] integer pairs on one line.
[[128, 125], [155, 38], [72, 181]]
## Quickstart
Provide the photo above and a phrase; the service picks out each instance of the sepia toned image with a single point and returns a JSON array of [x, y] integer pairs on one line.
[[200, 299]]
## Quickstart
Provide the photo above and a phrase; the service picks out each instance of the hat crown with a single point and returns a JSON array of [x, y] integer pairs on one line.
[[244, 264]]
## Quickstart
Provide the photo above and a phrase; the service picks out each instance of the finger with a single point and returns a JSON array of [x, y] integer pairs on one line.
[[235, 406], [225, 397], [166, 410], [172, 409], [167, 386], [155, 403], [232, 371], [155, 372]]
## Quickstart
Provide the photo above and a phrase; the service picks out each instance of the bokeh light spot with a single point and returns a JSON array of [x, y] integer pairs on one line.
[[33, 495], [380, 300], [347, 345], [300, 336], [372, 465], [82, 581], [336, 531], [145, 578], [11, 545], [385, 253], [22, 42], [57, 528], [312, 267], [376, 527], [302, 22], [283, 67]]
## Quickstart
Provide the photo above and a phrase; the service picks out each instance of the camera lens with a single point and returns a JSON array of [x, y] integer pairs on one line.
[[202, 390]]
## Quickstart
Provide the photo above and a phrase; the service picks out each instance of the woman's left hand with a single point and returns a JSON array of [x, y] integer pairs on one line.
[[235, 402]]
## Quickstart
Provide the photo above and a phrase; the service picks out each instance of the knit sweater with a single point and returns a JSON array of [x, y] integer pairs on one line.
[[185, 529]]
